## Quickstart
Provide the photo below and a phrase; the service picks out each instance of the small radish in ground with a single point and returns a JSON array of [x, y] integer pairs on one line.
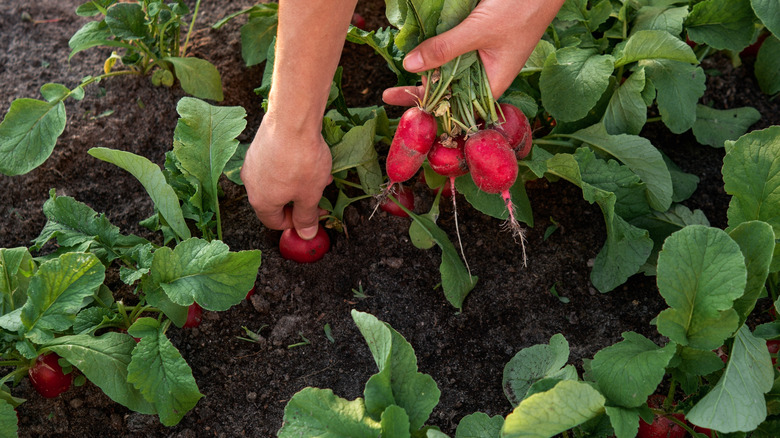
[[194, 316], [47, 377], [405, 196], [493, 167], [292, 247], [662, 426], [516, 128], [413, 138], [358, 21], [250, 293], [773, 346]]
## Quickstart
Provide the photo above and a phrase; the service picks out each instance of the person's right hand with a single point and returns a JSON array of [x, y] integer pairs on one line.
[[282, 166]]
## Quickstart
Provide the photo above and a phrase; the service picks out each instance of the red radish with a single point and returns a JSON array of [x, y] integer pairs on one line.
[[446, 157], [516, 128], [493, 167], [405, 196], [358, 21], [47, 377], [662, 426], [413, 139], [292, 247], [194, 316], [773, 346], [752, 50], [250, 293]]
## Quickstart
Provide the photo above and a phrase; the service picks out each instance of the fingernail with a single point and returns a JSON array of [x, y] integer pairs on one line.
[[413, 61], [307, 233]]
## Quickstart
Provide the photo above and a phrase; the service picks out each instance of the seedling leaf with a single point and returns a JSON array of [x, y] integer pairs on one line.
[[479, 425], [160, 373], [127, 21], [28, 134], [104, 361], [198, 77], [535, 363]]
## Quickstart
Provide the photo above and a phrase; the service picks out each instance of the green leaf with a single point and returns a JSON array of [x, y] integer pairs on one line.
[[127, 21], [198, 77], [93, 34], [57, 291], [697, 362], [419, 23], [549, 413], [28, 134], [639, 155], [736, 403], [395, 422], [356, 150], [627, 112], [453, 12], [382, 41], [721, 24], [479, 425], [206, 273], [535, 363], [16, 268], [756, 239], [398, 381], [630, 371], [538, 57], [8, 420], [256, 36], [713, 126], [751, 175], [204, 141], [104, 361], [456, 281], [153, 180], [662, 17], [624, 421], [655, 44], [233, 167], [701, 271], [627, 247], [768, 11], [573, 80], [160, 373], [492, 204], [679, 86], [318, 412], [767, 66]]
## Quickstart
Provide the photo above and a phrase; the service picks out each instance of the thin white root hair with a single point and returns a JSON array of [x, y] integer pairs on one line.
[[457, 228]]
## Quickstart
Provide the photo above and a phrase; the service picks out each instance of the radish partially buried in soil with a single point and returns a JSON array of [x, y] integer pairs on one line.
[[194, 316], [292, 247], [514, 125], [47, 377], [493, 167], [405, 196]]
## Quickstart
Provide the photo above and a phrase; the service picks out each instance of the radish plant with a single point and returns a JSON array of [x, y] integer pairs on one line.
[[59, 303]]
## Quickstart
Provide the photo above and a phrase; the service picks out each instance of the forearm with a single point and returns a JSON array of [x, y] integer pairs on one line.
[[310, 39]]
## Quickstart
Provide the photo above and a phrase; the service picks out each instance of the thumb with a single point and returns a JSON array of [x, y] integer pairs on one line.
[[305, 219], [441, 49]]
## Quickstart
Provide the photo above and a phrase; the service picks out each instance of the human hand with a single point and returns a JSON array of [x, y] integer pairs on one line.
[[285, 165], [503, 32]]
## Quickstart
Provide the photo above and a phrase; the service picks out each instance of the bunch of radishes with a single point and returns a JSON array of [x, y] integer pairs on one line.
[[460, 129]]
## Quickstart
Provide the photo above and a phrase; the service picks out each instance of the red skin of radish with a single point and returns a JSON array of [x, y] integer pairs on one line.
[[358, 21], [413, 139], [448, 161], [661, 427], [491, 161], [47, 377], [405, 196], [292, 247], [194, 316], [516, 128]]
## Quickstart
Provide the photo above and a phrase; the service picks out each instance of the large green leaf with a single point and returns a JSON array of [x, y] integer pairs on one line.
[[16, 268], [160, 373], [573, 80], [768, 11], [756, 239], [701, 271], [736, 403], [314, 412], [751, 175], [104, 360], [28, 134], [679, 86], [153, 180], [655, 44], [57, 292], [767, 66], [631, 370], [8, 420], [398, 382], [721, 24], [627, 112], [661, 17], [205, 272], [713, 126], [535, 363], [479, 425], [127, 21], [545, 414], [639, 155], [198, 77]]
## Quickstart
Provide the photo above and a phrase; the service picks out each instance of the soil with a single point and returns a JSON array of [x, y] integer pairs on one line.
[[246, 385]]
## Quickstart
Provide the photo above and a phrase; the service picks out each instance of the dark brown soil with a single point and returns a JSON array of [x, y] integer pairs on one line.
[[247, 385]]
